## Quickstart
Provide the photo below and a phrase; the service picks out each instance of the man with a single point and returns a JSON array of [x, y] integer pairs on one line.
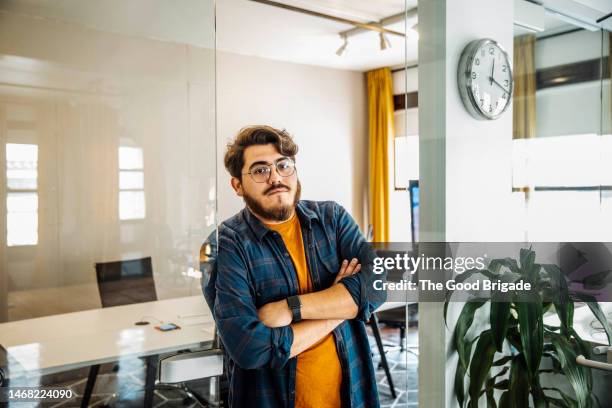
[[289, 294]]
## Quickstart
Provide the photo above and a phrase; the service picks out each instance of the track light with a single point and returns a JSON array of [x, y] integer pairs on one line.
[[413, 32], [384, 41], [342, 48]]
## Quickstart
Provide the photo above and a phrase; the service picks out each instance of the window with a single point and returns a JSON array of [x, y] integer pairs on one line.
[[131, 184], [22, 194], [570, 182], [405, 161]]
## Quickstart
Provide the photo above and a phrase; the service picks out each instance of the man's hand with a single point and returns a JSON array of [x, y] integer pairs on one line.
[[347, 269], [278, 314]]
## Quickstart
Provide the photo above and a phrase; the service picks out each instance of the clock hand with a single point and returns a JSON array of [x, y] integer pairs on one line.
[[498, 84], [492, 70]]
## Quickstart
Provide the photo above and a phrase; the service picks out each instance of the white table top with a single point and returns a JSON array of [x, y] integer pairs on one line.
[[393, 305], [62, 342]]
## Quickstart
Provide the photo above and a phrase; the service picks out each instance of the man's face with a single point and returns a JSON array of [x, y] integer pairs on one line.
[[272, 200]]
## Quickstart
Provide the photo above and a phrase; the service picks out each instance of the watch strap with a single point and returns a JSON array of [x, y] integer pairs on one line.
[[295, 305]]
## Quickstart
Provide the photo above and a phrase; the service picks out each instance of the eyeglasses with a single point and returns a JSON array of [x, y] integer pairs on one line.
[[260, 173]]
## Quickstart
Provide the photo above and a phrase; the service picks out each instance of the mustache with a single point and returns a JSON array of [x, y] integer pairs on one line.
[[274, 187]]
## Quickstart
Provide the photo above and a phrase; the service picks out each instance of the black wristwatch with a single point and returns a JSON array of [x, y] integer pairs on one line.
[[296, 308]]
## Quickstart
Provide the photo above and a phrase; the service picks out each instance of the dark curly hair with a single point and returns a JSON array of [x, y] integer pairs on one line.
[[256, 135]]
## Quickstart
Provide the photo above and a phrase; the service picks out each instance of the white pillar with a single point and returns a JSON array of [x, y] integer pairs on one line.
[[465, 164]]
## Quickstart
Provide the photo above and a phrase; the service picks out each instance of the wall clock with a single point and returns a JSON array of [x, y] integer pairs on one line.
[[485, 79]]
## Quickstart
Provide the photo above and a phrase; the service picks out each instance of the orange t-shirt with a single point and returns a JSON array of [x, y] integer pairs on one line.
[[319, 374]]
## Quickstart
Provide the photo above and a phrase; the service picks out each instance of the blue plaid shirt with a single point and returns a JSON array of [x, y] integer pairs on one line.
[[253, 268]]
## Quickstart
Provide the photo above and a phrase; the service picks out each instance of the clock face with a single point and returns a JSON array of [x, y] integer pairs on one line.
[[485, 79]]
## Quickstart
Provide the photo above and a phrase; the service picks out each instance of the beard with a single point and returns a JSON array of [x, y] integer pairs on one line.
[[281, 213]]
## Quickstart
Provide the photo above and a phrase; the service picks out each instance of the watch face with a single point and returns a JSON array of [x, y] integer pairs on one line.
[[485, 79]]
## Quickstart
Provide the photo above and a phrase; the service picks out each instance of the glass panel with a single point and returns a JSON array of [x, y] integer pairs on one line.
[[95, 99], [559, 155]]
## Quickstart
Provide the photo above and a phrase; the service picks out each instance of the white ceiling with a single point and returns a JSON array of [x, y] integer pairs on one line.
[[249, 28]]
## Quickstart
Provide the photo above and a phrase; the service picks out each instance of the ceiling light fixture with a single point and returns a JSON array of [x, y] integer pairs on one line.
[[343, 46], [413, 33], [384, 41]]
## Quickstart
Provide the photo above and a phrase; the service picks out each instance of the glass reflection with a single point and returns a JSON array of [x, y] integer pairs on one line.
[[22, 196], [561, 153], [90, 101]]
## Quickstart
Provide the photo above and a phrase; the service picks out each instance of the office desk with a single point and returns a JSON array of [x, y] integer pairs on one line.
[[63, 342]]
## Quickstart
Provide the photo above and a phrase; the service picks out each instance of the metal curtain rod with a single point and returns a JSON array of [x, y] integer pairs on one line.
[[365, 26]]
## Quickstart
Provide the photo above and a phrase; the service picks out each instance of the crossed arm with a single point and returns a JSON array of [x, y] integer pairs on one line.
[[265, 337], [321, 311]]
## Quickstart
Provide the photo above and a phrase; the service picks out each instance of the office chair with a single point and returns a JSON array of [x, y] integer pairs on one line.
[[126, 282], [196, 365], [123, 283]]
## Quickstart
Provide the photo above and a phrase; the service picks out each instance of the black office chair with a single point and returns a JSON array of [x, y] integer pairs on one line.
[[123, 283], [126, 282]]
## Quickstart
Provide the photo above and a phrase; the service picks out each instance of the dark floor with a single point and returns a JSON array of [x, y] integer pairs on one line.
[[403, 366], [122, 384]]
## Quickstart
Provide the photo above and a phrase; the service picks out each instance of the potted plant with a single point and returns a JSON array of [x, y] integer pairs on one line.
[[507, 355]]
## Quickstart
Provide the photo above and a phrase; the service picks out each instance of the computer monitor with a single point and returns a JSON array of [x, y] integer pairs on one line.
[[413, 188]]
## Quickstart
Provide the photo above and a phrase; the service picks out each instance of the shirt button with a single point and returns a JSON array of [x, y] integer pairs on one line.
[[286, 253]]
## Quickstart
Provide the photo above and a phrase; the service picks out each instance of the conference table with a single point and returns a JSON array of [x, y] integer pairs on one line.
[[52, 344], [57, 343]]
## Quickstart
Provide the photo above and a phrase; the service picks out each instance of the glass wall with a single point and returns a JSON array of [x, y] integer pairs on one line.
[[562, 144], [107, 139]]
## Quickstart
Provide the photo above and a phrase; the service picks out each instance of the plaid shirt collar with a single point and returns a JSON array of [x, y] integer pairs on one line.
[[305, 214]]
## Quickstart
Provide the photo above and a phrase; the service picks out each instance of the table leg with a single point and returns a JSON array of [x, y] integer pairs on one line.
[[91, 382], [151, 375], [381, 350]]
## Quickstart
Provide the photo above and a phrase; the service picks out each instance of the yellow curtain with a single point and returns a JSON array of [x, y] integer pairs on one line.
[[524, 103], [380, 115]]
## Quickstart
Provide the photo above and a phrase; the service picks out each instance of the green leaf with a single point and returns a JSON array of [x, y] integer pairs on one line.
[[459, 279], [537, 393], [466, 318], [597, 312], [502, 385], [556, 402], [564, 306], [490, 399], [505, 401], [480, 366], [566, 399], [519, 384], [459, 383], [527, 257], [509, 263], [531, 327], [502, 361], [578, 376], [499, 319]]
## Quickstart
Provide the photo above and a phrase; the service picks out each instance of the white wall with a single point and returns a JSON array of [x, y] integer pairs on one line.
[[324, 109], [465, 164]]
